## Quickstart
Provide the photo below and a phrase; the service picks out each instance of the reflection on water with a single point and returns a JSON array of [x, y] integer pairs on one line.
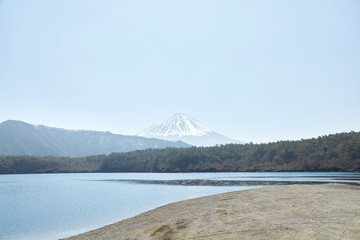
[[204, 182], [252, 179], [52, 206]]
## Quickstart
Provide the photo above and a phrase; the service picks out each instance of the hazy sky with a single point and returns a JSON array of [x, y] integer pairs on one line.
[[252, 70]]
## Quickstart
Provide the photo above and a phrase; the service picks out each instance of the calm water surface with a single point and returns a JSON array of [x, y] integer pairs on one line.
[[53, 206]]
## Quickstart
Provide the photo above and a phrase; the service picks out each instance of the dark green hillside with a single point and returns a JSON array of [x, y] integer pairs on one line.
[[337, 152], [31, 164]]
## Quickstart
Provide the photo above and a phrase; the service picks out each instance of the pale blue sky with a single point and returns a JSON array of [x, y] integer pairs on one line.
[[252, 70]]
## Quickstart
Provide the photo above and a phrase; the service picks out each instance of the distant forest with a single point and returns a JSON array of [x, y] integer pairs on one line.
[[337, 152]]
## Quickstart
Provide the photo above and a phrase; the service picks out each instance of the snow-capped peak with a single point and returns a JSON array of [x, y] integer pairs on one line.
[[178, 125]]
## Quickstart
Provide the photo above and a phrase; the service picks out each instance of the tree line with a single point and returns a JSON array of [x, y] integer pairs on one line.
[[336, 152]]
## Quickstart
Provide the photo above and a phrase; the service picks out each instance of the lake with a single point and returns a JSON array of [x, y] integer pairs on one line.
[[53, 206]]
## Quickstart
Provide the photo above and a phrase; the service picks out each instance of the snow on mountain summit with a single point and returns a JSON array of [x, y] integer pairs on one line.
[[185, 128], [178, 125]]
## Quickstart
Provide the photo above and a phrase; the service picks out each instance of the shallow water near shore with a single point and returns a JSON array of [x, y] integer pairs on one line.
[[53, 206]]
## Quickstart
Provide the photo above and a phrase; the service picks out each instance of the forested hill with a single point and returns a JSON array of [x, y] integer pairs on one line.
[[337, 152]]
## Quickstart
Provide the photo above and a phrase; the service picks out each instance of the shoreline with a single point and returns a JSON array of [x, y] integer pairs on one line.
[[328, 211]]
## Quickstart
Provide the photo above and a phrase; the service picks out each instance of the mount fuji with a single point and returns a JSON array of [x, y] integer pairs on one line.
[[187, 129]]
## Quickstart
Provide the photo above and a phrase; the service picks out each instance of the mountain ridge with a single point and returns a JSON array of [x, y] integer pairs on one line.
[[21, 138]]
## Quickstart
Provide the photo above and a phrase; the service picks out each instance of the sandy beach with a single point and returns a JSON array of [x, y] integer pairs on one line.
[[275, 212]]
